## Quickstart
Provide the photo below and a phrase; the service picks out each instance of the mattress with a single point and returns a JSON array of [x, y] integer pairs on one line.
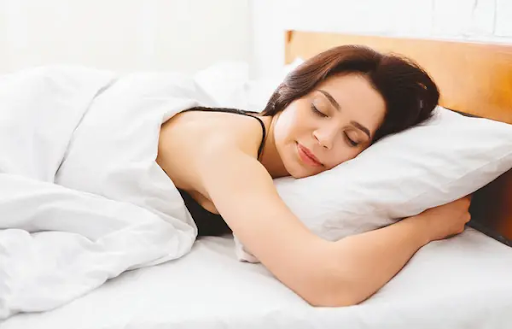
[[463, 282]]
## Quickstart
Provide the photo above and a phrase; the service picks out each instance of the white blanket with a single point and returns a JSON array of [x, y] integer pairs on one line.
[[81, 196]]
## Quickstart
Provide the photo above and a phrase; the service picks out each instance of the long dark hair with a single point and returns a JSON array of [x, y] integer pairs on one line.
[[409, 93]]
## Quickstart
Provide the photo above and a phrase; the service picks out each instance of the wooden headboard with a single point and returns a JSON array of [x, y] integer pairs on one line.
[[473, 78]]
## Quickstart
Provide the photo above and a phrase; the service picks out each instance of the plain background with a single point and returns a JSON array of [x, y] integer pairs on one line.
[[190, 35]]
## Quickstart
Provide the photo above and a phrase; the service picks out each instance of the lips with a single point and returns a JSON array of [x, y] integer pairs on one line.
[[307, 156]]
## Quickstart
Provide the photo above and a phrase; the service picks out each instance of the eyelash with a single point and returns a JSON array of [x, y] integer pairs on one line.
[[348, 139], [317, 112]]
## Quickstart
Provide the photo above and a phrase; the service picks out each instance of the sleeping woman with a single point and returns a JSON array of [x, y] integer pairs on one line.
[[326, 112]]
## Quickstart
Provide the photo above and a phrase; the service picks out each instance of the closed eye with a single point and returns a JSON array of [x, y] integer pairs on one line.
[[317, 112], [350, 141]]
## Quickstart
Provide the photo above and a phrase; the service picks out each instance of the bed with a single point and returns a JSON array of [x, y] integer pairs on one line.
[[463, 282]]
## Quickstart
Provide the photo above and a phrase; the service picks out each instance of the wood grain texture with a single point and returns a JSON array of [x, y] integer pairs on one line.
[[473, 78]]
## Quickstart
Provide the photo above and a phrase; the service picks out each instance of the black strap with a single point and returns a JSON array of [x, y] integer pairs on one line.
[[235, 111]]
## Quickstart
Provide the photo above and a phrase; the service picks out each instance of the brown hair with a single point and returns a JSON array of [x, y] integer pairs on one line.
[[408, 91]]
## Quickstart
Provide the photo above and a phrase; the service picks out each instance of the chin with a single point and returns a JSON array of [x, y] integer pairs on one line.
[[297, 170]]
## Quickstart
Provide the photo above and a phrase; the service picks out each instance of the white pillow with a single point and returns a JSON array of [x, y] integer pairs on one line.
[[229, 84], [224, 82], [446, 158], [258, 91]]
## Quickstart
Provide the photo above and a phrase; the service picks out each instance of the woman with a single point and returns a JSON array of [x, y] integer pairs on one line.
[[326, 112]]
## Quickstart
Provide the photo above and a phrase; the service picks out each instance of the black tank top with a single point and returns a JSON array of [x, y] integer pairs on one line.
[[208, 223]]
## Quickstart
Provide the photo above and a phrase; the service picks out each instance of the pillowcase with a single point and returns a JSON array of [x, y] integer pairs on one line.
[[258, 91], [446, 158], [224, 82], [229, 85]]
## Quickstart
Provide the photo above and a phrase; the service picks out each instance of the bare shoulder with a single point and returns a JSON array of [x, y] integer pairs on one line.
[[195, 128], [189, 137]]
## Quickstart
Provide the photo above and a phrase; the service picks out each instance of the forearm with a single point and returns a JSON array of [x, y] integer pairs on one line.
[[368, 261]]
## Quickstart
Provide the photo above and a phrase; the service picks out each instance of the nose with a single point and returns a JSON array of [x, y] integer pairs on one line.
[[325, 137]]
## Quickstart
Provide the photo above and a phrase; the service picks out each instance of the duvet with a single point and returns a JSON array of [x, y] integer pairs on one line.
[[81, 196]]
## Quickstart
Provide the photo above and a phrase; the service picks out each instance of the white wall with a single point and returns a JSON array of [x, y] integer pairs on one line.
[[188, 35], [482, 20], [124, 35]]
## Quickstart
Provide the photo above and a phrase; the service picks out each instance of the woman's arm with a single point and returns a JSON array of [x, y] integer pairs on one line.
[[373, 258], [369, 260], [321, 272]]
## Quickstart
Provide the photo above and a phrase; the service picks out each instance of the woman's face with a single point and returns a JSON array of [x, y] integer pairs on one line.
[[330, 125]]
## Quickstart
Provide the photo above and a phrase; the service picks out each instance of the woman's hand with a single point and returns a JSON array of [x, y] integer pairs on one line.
[[447, 220]]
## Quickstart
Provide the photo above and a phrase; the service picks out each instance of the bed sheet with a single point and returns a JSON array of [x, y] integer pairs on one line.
[[463, 282]]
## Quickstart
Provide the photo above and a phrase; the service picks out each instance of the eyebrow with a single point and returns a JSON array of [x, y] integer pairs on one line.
[[338, 107], [331, 99], [362, 128]]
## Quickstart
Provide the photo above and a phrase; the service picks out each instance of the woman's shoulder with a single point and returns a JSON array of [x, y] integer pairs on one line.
[[194, 137], [205, 127]]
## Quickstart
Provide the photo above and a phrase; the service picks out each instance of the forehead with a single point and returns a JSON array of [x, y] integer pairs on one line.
[[357, 98]]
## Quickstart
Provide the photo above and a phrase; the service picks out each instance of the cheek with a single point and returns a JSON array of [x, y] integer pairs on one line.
[[282, 137], [286, 125], [280, 134]]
